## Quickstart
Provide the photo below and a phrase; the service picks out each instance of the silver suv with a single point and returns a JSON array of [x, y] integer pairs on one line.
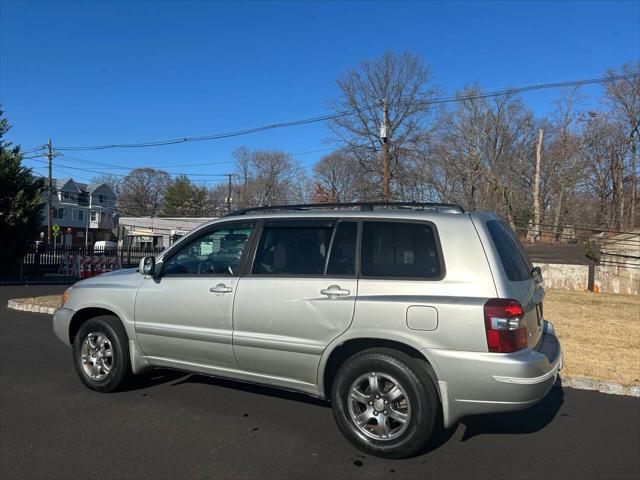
[[400, 314]]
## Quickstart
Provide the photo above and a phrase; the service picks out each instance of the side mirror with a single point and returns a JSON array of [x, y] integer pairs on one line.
[[536, 273], [147, 265]]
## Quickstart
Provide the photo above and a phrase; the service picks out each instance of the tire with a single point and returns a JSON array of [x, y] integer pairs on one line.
[[365, 426], [101, 354]]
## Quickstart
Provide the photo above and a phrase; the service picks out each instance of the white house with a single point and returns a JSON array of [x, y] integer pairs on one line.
[[85, 213], [156, 232]]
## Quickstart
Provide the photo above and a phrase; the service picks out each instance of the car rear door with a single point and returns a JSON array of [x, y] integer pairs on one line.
[[298, 295]]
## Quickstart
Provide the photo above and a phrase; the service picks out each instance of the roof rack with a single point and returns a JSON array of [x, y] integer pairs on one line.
[[363, 206]]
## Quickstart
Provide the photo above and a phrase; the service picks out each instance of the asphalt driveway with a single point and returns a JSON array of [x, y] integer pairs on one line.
[[174, 425]]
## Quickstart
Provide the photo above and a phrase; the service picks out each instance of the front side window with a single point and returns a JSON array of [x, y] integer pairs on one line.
[[295, 250], [216, 253], [93, 216], [401, 250]]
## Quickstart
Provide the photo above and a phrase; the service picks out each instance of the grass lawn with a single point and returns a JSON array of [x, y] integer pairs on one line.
[[599, 332]]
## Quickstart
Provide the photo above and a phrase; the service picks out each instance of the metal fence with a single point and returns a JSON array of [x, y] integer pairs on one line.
[[41, 260]]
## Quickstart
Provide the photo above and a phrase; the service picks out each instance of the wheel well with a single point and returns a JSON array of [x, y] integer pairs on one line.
[[82, 316], [351, 347]]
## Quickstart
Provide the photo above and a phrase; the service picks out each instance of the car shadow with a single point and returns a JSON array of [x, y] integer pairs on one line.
[[251, 388], [530, 420], [152, 378]]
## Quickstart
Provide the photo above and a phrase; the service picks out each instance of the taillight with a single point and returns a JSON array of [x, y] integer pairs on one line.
[[505, 325]]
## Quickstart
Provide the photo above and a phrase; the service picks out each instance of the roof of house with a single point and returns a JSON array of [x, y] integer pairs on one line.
[[59, 183]]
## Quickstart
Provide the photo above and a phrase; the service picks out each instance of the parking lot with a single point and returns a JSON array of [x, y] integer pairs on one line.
[[175, 425]]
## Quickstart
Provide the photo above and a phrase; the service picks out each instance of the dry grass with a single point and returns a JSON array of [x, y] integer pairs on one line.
[[600, 334]]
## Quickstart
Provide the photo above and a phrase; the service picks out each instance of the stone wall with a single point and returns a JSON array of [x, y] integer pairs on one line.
[[608, 279]]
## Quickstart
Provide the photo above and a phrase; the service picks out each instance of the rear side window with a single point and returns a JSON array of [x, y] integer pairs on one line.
[[295, 250], [513, 260], [396, 249]]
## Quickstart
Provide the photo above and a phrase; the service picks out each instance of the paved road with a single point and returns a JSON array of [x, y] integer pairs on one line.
[[172, 425]]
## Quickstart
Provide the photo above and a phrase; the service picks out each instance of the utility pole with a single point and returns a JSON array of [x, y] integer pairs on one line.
[[229, 175], [536, 188], [50, 201], [384, 136]]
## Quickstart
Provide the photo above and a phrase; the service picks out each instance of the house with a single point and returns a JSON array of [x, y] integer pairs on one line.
[[85, 213], [156, 232]]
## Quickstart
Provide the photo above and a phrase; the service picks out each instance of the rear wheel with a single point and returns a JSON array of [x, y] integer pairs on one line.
[[385, 403], [101, 354]]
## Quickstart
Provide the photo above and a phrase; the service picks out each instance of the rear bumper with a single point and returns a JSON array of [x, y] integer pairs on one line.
[[61, 320], [479, 382]]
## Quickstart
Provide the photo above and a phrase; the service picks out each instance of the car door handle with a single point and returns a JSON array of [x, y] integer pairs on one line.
[[221, 288], [335, 291]]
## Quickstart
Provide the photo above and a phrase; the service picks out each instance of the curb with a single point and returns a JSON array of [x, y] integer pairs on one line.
[[27, 283], [583, 383], [578, 383], [30, 307]]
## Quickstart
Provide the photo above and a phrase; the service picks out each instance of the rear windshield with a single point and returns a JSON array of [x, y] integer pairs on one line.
[[513, 259]]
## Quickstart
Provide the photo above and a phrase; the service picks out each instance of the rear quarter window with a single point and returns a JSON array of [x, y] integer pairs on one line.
[[400, 250], [516, 265]]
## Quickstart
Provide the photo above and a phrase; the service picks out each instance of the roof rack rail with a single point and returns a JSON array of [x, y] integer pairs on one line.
[[363, 206]]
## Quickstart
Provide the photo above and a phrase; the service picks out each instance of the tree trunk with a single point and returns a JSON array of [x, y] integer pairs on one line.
[[634, 179], [536, 189], [556, 216]]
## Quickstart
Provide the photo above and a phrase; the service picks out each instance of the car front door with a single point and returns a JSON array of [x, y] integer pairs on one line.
[[184, 315], [298, 296]]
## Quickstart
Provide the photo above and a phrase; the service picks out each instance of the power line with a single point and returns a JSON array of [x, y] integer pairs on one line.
[[528, 88], [325, 117], [321, 118], [226, 162]]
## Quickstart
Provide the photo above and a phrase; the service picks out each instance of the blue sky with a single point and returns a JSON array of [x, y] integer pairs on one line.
[[86, 73]]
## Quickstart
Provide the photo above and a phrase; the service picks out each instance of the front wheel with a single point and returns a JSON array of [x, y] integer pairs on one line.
[[385, 403], [101, 354]]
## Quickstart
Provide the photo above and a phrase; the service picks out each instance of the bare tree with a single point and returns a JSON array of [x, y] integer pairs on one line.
[[623, 96], [337, 178], [113, 181], [482, 155], [406, 84], [267, 178], [564, 167], [143, 191]]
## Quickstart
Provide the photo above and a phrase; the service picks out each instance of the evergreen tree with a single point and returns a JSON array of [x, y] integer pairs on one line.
[[20, 203], [185, 199]]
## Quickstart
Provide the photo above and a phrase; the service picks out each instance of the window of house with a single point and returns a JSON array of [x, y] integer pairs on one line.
[[57, 213], [293, 249], [78, 215], [402, 250], [103, 216], [93, 216], [102, 198]]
